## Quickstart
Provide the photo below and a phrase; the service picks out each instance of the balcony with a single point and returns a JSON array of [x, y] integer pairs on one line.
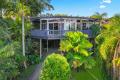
[[54, 34]]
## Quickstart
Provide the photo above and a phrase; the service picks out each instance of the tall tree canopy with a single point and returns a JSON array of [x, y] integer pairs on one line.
[[11, 12], [99, 16], [109, 44], [35, 6]]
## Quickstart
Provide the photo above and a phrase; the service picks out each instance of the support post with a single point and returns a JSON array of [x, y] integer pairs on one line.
[[23, 40], [75, 25], [47, 45], [47, 25], [40, 42], [40, 48], [81, 24]]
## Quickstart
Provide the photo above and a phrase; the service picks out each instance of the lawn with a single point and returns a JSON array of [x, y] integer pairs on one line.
[[93, 74], [90, 74]]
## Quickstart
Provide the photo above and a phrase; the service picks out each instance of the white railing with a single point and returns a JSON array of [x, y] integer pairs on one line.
[[54, 32]]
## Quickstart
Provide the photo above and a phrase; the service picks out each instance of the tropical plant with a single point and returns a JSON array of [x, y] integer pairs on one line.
[[11, 11], [55, 67], [95, 30], [99, 16], [77, 49], [9, 62], [108, 45]]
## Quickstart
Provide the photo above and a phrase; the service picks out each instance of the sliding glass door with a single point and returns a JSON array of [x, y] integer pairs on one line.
[[53, 28]]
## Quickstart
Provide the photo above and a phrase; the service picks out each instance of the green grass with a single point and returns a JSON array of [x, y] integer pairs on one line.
[[90, 74], [25, 74]]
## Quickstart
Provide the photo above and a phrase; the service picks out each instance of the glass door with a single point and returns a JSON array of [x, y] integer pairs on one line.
[[53, 28]]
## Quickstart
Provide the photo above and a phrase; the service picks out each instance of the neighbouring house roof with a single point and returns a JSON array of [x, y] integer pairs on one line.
[[74, 17]]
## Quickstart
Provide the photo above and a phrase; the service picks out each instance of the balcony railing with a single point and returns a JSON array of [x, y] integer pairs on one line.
[[54, 33]]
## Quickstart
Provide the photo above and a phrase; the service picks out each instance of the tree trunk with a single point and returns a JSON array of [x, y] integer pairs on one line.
[[116, 69]]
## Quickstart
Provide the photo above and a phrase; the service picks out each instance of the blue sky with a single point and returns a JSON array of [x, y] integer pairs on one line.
[[85, 7]]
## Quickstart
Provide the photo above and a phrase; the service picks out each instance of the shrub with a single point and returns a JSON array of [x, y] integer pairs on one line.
[[76, 47], [55, 67]]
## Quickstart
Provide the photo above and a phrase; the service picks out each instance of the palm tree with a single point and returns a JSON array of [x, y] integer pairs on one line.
[[109, 46], [99, 16], [37, 6]]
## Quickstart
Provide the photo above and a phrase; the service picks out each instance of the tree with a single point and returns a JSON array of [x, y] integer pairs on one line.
[[99, 16], [37, 6], [10, 61], [109, 44], [10, 32], [55, 67], [77, 50], [95, 30]]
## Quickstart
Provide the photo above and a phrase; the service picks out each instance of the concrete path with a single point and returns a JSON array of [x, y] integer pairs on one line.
[[35, 75]]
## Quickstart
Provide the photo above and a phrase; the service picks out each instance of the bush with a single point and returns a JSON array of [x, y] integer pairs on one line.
[[55, 67], [33, 59], [76, 47]]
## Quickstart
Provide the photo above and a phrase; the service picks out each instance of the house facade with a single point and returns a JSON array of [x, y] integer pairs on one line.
[[49, 30]]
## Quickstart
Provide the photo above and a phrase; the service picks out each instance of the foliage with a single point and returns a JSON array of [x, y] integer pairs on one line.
[[55, 67], [11, 12], [99, 16], [108, 47], [95, 30], [8, 63], [117, 62], [77, 49], [96, 73], [108, 37], [33, 59]]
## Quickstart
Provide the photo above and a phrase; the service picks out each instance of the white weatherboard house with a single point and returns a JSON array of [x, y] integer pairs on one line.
[[49, 30]]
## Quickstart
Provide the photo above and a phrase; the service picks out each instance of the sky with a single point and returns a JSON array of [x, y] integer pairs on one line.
[[85, 7]]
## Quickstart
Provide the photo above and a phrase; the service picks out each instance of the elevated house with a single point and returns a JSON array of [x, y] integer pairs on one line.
[[49, 30]]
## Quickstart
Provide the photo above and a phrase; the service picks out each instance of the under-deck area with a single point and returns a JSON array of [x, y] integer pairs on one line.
[[45, 46]]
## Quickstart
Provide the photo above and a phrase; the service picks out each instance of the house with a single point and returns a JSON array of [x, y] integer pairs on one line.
[[49, 30]]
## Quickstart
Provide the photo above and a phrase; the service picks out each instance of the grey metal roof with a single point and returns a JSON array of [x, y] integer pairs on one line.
[[77, 17]]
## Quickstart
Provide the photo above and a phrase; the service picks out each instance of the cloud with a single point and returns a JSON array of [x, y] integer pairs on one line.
[[107, 1], [102, 6]]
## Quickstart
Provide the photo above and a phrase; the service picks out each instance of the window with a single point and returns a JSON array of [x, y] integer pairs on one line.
[[84, 26], [55, 26], [78, 20], [44, 24], [51, 26], [78, 26]]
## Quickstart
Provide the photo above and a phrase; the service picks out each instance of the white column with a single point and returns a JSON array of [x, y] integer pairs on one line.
[[70, 24], [47, 45], [75, 24], [47, 27], [81, 24], [40, 25], [40, 48], [87, 24], [40, 42]]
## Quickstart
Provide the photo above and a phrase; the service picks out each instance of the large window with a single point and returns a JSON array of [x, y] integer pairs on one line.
[[53, 26], [72, 26], [44, 24], [78, 26]]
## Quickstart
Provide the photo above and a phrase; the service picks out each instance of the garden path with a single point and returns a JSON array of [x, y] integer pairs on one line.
[[35, 74]]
